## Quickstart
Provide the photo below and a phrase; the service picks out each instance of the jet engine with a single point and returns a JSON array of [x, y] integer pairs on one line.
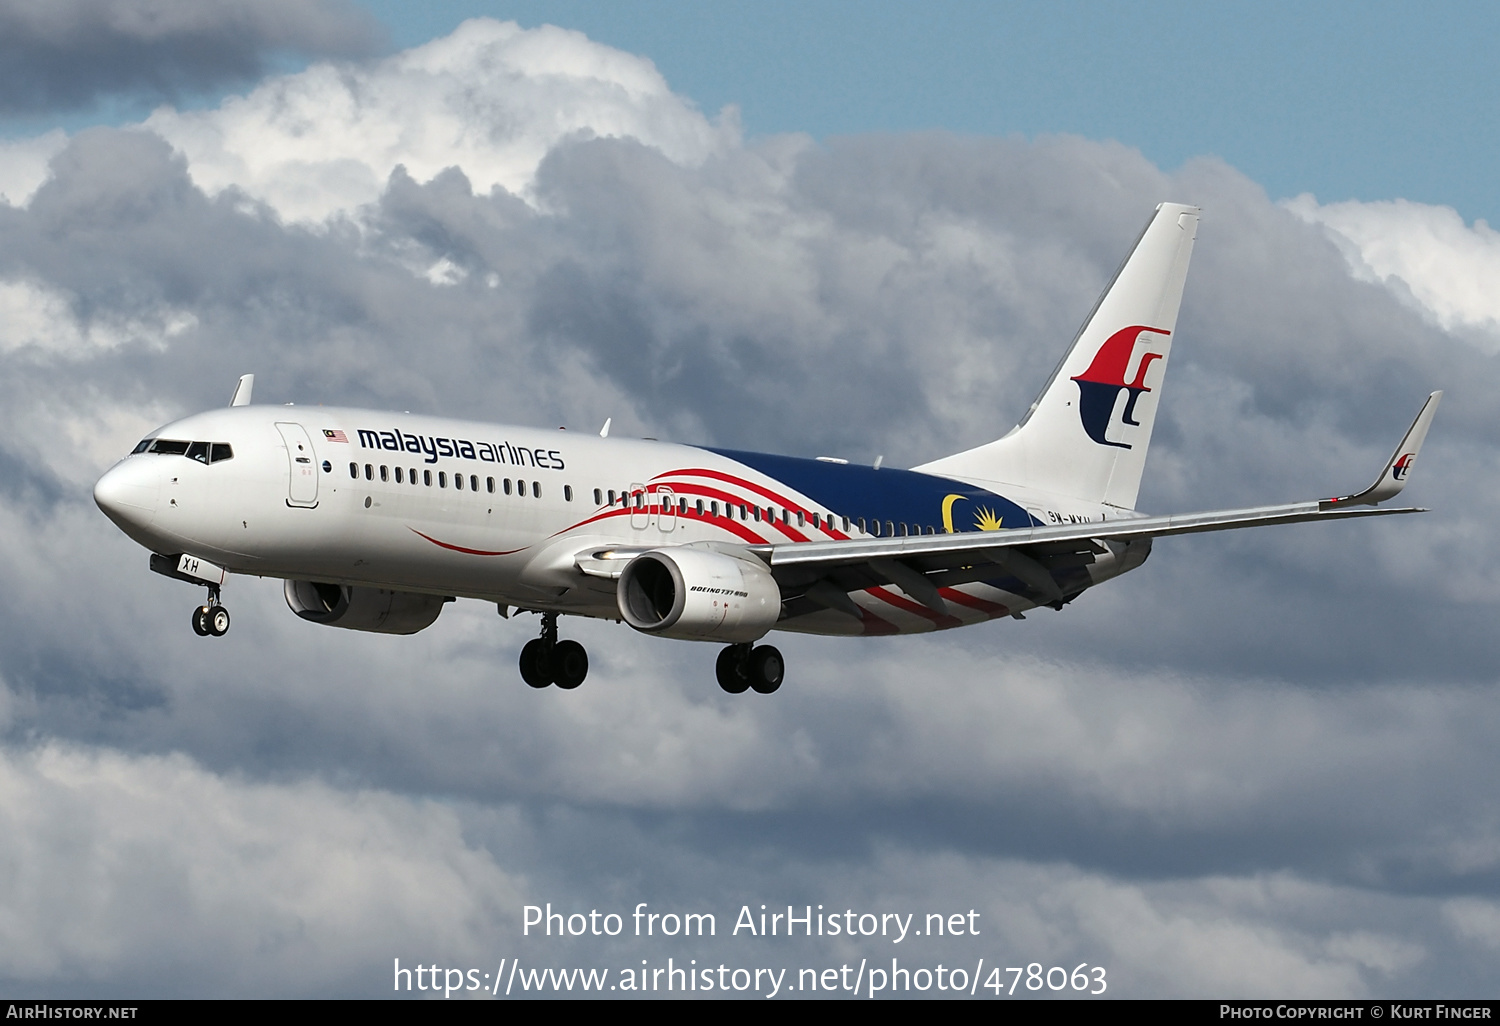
[[363, 609], [698, 595]]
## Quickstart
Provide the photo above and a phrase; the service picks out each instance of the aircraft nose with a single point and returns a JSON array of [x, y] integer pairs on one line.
[[129, 491]]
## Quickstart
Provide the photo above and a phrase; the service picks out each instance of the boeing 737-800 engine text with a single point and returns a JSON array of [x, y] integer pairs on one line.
[[376, 520]]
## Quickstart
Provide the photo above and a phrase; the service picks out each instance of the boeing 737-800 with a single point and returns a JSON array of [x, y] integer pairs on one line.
[[376, 520]]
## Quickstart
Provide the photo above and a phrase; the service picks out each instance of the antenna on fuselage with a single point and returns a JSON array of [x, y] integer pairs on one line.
[[604, 431], [242, 390]]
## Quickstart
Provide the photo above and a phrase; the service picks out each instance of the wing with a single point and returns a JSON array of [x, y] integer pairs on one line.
[[821, 574], [824, 572]]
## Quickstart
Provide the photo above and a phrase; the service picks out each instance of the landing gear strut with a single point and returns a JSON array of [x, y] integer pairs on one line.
[[545, 660], [742, 668], [211, 619]]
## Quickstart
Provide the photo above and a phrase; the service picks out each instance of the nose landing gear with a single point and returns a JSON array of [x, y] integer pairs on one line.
[[741, 668], [211, 619], [545, 660]]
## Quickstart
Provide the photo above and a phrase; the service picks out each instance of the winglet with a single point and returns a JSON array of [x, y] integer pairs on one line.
[[242, 390], [1398, 468]]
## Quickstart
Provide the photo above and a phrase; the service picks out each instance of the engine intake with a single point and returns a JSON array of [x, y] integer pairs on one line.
[[363, 609], [698, 595]]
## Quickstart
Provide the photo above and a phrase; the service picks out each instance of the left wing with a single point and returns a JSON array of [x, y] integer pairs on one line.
[[825, 571]]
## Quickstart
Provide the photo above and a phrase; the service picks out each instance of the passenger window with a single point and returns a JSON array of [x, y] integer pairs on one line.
[[507, 486], [890, 529], [458, 481], [801, 520], [611, 496], [369, 472], [220, 452], [715, 508], [846, 525], [411, 475], [385, 474], [427, 478], [354, 471], [598, 498], [398, 476], [473, 482], [442, 479], [567, 493], [756, 510], [815, 521], [489, 484]]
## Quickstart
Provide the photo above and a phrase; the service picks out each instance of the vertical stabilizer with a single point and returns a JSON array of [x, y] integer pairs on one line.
[[1087, 433]]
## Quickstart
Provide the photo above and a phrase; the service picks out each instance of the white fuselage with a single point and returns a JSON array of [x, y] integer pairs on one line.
[[502, 513]]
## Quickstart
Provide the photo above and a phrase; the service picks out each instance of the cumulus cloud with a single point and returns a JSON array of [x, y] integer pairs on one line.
[[1425, 254], [111, 855], [61, 54], [491, 98], [23, 165], [1232, 772]]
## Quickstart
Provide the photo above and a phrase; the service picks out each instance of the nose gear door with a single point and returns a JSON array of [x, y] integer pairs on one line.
[[302, 486]]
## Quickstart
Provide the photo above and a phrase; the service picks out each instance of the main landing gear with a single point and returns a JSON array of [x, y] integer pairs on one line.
[[545, 660], [211, 619], [741, 667]]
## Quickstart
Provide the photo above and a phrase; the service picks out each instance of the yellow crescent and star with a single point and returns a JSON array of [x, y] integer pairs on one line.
[[984, 517]]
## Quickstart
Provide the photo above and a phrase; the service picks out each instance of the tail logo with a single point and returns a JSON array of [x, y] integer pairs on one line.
[[1403, 466], [1099, 386]]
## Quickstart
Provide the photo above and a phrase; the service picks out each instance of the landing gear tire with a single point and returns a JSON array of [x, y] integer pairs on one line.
[[570, 664], [732, 669], [218, 621], [532, 655], [545, 660], [200, 621], [766, 669]]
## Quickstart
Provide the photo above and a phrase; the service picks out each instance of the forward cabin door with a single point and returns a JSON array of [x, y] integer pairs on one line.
[[302, 487]]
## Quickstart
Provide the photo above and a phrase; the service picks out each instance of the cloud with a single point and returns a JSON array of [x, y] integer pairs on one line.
[[1425, 254], [23, 165], [111, 855], [68, 53], [491, 98], [1239, 770]]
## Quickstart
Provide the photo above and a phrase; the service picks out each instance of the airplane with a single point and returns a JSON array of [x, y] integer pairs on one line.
[[375, 521]]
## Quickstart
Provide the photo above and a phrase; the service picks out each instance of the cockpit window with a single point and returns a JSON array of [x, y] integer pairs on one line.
[[203, 452], [167, 447]]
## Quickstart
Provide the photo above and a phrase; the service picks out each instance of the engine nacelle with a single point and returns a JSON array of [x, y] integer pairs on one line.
[[363, 609], [698, 595]]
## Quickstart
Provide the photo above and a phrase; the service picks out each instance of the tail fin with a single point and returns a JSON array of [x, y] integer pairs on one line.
[[1087, 433]]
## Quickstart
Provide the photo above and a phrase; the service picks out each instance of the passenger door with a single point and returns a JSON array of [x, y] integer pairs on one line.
[[302, 486]]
